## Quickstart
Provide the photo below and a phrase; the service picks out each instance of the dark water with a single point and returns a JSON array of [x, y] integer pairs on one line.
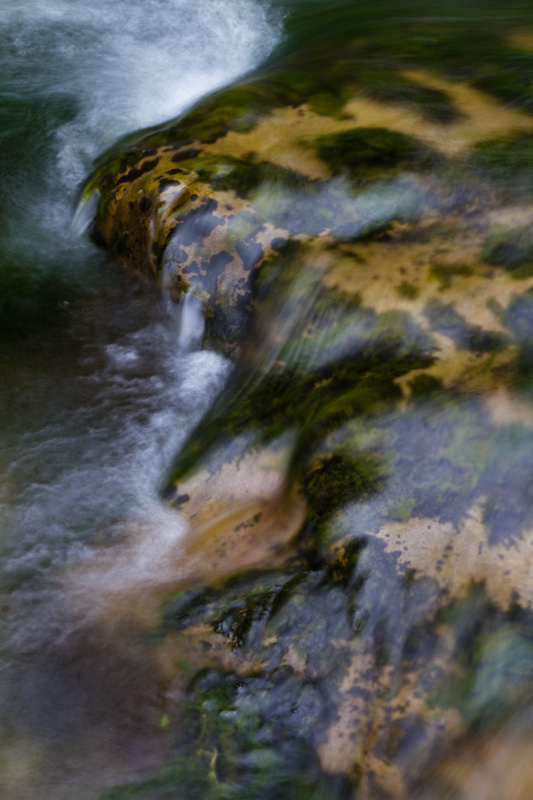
[[101, 380]]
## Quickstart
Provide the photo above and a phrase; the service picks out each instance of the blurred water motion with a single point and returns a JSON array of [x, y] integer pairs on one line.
[[94, 397], [334, 599]]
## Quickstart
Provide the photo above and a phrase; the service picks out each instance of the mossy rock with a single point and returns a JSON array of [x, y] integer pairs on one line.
[[359, 495]]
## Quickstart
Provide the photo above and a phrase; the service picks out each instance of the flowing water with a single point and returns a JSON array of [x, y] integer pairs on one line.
[[99, 381], [421, 624]]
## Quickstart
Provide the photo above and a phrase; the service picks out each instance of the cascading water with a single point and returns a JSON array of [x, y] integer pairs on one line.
[[99, 381], [335, 599]]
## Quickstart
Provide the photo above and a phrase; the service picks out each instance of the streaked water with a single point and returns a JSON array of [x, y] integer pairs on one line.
[[99, 381], [102, 380]]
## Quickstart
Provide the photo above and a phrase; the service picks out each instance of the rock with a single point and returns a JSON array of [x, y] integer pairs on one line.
[[359, 255]]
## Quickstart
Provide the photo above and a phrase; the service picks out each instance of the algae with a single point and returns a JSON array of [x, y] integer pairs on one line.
[[381, 344], [367, 153]]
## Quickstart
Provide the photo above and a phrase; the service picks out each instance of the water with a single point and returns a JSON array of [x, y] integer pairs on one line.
[[100, 380], [363, 475]]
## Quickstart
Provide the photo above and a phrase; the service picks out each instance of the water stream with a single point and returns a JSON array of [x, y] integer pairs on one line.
[[347, 613], [100, 382]]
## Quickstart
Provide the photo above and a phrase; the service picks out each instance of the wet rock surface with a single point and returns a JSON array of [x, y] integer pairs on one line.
[[356, 221]]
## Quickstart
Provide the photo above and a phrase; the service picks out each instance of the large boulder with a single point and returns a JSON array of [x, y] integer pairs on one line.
[[356, 228]]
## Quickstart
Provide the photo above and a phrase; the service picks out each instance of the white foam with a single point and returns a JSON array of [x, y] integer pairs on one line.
[[132, 64]]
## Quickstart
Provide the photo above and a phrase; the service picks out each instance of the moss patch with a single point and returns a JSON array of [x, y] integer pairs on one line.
[[507, 161], [370, 153], [445, 273]]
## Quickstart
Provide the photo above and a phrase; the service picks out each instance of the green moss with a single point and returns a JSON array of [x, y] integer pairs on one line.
[[238, 108], [289, 83], [252, 734], [339, 363], [238, 608], [370, 153], [423, 385], [505, 162], [445, 273], [359, 53], [403, 509], [407, 291], [338, 480], [434, 105], [244, 175], [359, 46], [247, 735], [432, 460], [506, 82], [326, 105], [505, 158]]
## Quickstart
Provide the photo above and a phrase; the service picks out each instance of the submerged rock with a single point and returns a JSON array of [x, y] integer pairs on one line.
[[359, 253]]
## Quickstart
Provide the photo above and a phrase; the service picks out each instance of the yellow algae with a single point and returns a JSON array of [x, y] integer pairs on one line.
[[484, 117], [284, 136], [375, 269], [372, 702], [281, 139], [345, 743], [522, 39], [454, 556], [463, 370]]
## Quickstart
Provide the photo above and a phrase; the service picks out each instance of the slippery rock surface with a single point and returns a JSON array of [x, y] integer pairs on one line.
[[359, 497]]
